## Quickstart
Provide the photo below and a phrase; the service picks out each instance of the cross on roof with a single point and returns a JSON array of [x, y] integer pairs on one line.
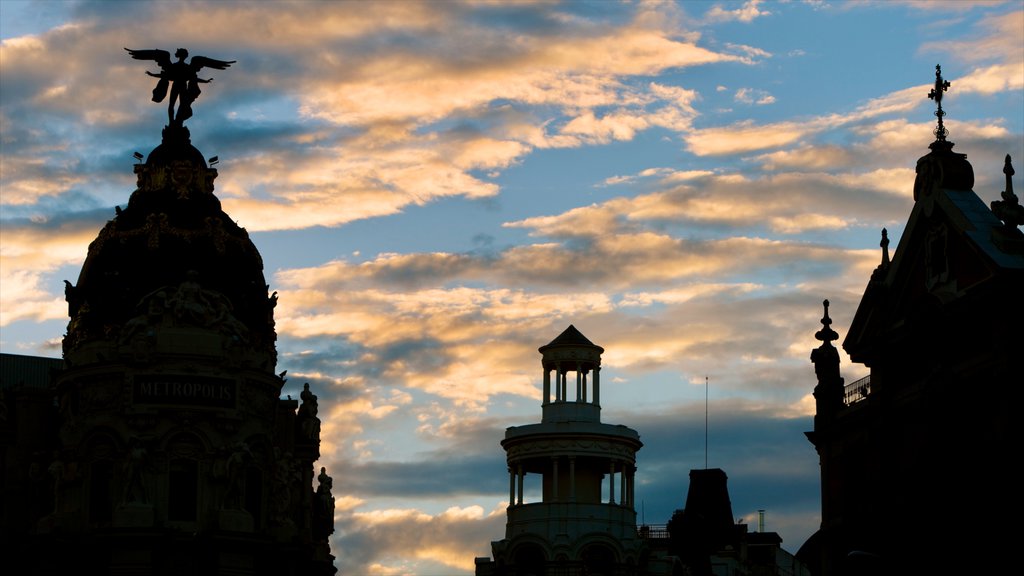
[[936, 94]]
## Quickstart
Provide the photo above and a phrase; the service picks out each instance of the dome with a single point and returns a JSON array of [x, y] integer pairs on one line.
[[171, 258], [942, 168]]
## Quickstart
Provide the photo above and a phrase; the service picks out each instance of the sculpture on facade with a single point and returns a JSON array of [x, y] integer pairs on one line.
[[323, 513], [309, 423], [134, 486], [234, 472], [1009, 209], [181, 77]]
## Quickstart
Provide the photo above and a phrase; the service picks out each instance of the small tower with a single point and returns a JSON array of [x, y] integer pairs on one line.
[[585, 521]]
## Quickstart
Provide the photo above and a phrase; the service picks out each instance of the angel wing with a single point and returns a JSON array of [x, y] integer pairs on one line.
[[162, 57], [198, 62]]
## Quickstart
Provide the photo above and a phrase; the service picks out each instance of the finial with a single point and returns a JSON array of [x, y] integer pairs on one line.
[[885, 247], [936, 94], [1009, 209], [826, 334], [1008, 170]]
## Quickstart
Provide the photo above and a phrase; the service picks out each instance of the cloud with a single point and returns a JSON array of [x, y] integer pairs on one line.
[[753, 96], [386, 541], [746, 136], [781, 201], [710, 257], [384, 76], [30, 251], [748, 12]]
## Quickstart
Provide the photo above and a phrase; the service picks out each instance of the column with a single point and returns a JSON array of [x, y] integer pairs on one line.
[[628, 489], [547, 385], [579, 382], [522, 474], [558, 382], [611, 483], [511, 487], [633, 487], [572, 478], [584, 372], [554, 478], [623, 497], [597, 385], [565, 392]]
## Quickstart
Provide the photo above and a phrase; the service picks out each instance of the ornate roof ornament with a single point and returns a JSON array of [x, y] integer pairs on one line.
[[826, 334], [885, 247], [936, 94], [1008, 209], [942, 168], [181, 77]]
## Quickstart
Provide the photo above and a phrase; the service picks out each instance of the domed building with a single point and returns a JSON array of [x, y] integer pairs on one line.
[[167, 449], [585, 521]]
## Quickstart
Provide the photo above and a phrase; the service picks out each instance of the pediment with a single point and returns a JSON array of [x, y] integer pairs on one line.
[[949, 252]]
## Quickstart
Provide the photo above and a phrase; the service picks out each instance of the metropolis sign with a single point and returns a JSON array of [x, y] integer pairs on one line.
[[189, 390]]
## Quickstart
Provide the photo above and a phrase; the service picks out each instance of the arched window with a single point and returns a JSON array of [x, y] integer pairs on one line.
[[101, 492], [528, 560], [182, 490], [253, 501], [598, 559]]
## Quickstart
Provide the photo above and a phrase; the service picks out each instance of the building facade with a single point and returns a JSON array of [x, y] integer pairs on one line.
[[918, 459], [163, 446]]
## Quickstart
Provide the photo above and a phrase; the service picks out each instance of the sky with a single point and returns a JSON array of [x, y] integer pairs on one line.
[[439, 188]]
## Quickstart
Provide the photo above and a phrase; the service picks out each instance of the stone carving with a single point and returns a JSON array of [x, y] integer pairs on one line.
[[56, 472], [134, 483], [181, 77], [286, 478], [234, 476], [323, 510], [309, 424], [140, 331], [189, 304], [1009, 209]]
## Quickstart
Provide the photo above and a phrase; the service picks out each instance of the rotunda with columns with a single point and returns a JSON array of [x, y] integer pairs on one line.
[[583, 470]]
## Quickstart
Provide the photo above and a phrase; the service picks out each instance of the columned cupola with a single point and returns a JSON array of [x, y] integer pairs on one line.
[[572, 353], [571, 477]]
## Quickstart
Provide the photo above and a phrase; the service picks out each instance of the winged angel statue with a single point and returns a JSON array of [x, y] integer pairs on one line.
[[182, 78]]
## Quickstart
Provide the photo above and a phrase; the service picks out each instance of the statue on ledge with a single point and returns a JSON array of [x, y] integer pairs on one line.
[[181, 77]]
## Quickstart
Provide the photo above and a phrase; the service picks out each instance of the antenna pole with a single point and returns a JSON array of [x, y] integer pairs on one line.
[[705, 422]]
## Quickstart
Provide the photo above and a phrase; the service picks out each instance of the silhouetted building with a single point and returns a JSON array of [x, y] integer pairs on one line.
[[917, 459], [584, 471], [162, 446], [707, 541], [585, 522]]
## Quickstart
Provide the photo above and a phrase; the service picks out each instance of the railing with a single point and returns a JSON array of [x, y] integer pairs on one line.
[[652, 531], [551, 518], [857, 391]]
